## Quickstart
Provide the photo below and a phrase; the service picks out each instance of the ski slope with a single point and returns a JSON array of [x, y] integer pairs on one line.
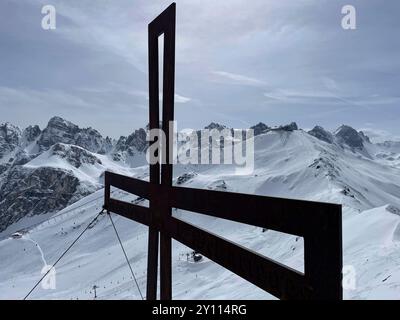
[[289, 164]]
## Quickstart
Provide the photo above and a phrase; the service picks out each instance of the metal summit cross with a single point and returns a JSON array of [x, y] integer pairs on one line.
[[320, 224]]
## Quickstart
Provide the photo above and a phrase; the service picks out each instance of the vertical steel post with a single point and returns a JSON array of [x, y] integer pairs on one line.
[[160, 210], [152, 258], [166, 168], [323, 256]]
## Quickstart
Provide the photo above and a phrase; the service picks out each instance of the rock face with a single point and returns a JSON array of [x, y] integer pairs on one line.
[[74, 155], [31, 133], [364, 136], [21, 158], [128, 147], [350, 137], [260, 128], [182, 179], [59, 130], [37, 191], [290, 127], [344, 136], [325, 165], [136, 140], [9, 138], [321, 134], [214, 125]]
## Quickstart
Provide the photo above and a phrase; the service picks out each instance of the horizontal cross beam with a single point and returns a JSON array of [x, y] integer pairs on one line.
[[318, 223]]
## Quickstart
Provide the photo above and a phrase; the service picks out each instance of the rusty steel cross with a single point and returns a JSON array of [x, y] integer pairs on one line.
[[320, 224]]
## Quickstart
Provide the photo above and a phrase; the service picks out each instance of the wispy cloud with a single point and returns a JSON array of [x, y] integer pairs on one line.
[[234, 78], [181, 99], [37, 99], [379, 135], [329, 97], [33, 106], [296, 96]]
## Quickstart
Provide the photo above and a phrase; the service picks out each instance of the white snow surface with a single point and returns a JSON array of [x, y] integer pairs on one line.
[[287, 164]]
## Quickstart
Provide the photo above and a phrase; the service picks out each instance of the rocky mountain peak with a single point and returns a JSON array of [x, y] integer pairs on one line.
[[215, 125], [30, 133], [288, 127], [138, 139], [59, 130], [260, 128], [135, 141], [61, 122], [349, 136], [321, 134]]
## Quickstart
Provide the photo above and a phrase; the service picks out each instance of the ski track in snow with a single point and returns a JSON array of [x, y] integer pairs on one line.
[[28, 238]]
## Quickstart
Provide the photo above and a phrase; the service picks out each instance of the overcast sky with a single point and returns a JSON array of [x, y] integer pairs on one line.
[[238, 62]]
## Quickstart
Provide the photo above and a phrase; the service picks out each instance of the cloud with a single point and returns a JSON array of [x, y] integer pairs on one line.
[[181, 99], [235, 60], [234, 78], [144, 94], [379, 135], [95, 108], [329, 97], [115, 88], [300, 96], [38, 99]]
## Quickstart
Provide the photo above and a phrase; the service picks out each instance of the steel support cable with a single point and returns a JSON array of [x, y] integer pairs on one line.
[[62, 213], [126, 257]]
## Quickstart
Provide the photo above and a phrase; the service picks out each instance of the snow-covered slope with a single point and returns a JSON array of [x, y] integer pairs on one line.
[[290, 163]]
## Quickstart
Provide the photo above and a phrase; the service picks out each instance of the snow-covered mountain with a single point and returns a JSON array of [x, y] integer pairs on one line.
[[44, 171], [342, 167]]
